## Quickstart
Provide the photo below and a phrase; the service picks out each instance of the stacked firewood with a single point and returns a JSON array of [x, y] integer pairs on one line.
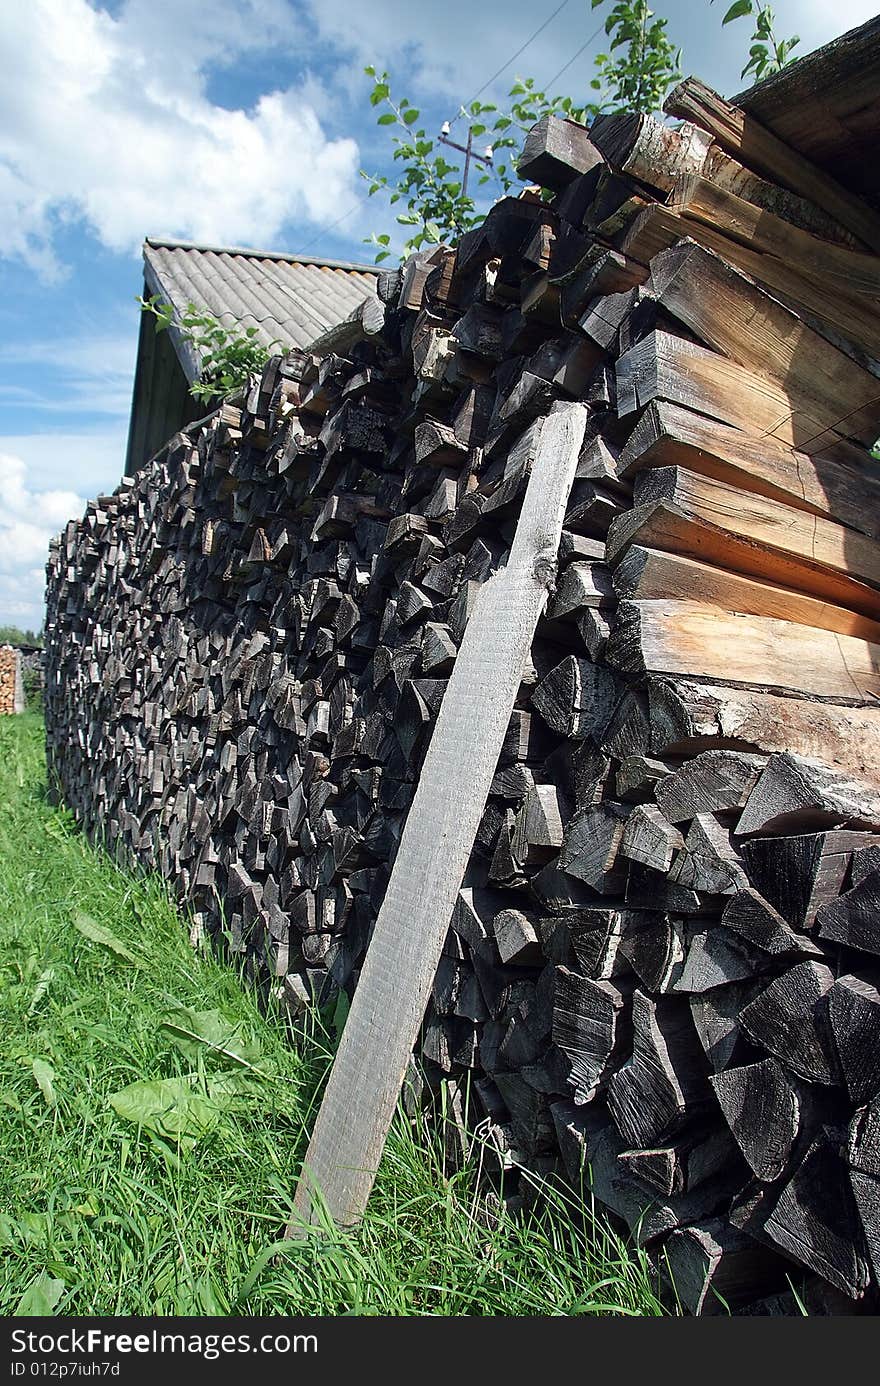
[[11, 699], [662, 966]]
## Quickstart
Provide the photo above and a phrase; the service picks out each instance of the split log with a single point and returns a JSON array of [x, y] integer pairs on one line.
[[803, 874], [854, 919], [793, 796], [575, 699], [589, 1027], [761, 1107], [710, 783], [555, 152], [752, 917], [854, 1020], [687, 717], [663, 1084], [650, 838], [790, 1020]]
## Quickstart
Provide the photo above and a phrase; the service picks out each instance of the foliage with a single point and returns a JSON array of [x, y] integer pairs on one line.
[[228, 355], [13, 635], [437, 203], [642, 73], [639, 67], [140, 1187], [32, 684], [767, 54]]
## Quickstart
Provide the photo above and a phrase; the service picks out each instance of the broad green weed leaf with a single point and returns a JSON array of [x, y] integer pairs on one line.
[[45, 1077], [177, 1108], [40, 1298], [194, 1031], [45, 980], [96, 933]]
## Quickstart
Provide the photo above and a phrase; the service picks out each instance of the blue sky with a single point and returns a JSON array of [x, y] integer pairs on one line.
[[240, 122]]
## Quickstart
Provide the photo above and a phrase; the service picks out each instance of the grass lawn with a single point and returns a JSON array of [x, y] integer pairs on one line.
[[153, 1121]]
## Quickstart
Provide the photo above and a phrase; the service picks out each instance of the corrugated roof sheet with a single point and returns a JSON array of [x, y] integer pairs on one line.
[[290, 299]]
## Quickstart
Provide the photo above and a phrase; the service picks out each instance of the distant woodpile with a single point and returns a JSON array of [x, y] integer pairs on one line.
[[11, 690], [663, 959]]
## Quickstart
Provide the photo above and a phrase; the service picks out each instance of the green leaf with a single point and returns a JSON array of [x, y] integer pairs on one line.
[[180, 1108], [44, 1075], [194, 1031], [387, 119], [44, 982], [411, 116], [40, 1298], [96, 933], [737, 10]]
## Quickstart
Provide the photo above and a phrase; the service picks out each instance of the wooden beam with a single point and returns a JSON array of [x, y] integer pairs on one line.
[[689, 637], [666, 367], [688, 716], [645, 572], [731, 314], [852, 271], [808, 541], [752, 144], [846, 489], [389, 1003], [848, 323], [676, 528]]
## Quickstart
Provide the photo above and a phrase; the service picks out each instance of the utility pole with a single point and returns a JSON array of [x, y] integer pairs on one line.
[[467, 151]]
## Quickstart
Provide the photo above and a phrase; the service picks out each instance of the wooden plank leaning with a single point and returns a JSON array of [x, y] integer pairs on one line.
[[390, 1000]]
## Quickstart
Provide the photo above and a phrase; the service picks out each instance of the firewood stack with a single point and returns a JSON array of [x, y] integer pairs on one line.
[[11, 696], [663, 962]]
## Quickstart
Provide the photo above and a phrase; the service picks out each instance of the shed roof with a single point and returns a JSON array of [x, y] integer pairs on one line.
[[289, 299]]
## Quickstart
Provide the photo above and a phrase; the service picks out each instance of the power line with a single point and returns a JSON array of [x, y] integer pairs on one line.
[[495, 75], [513, 58], [331, 226], [583, 48]]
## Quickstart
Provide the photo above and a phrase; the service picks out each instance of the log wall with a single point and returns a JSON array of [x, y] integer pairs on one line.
[[663, 964]]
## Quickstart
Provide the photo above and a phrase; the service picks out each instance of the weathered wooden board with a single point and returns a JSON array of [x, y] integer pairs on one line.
[[845, 488], [646, 572], [389, 1003], [688, 637], [839, 315], [665, 367], [672, 527], [731, 314], [757, 147]]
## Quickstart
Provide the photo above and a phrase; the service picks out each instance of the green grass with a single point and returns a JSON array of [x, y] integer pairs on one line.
[[100, 1215]]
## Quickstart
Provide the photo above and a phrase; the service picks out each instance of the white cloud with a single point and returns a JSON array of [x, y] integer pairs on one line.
[[94, 461], [28, 520], [106, 119], [91, 374]]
